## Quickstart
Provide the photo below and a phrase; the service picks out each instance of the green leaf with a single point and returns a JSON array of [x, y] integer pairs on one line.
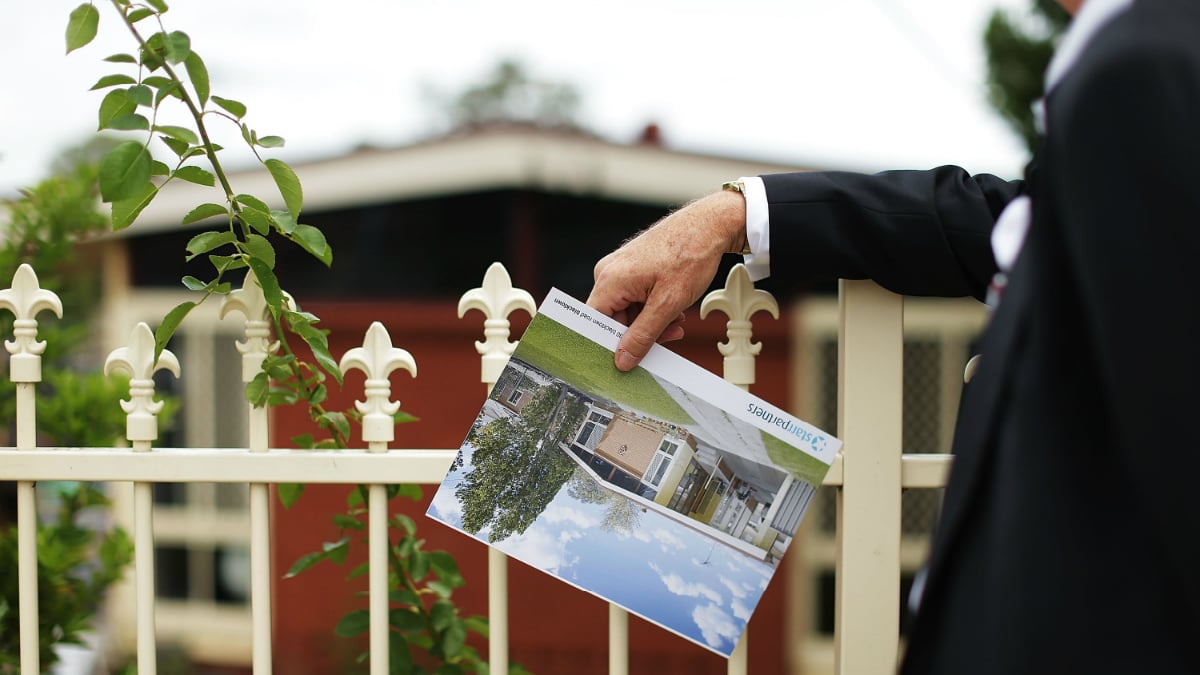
[[335, 420], [205, 211], [125, 211], [305, 441], [283, 220], [159, 5], [348, 522], [445, 567], [307, 560], [477, 624], [141, 95], [313, 240], [271, 142], [120, 58], [208, 241], [177, 46], [158, 81], [454, 640], [405, 523], [81, 27], [354, 623], [157, 168], [180, 133], [166, 90], [261, 249], [177, 146], [133, 122], [353, 499], [336, 550], [115, 104], [419, 566], [139, 14], [253, 202], [410, 490], [194, 284], [259, 221], [169, 323], [441, 615], [406, 620], [112, 81], [268, 282], [288, 494], [231, 106], [124, 171], [198, 74], [256, 393], [225, 263], [289, 185], [194, 174], [152, 52]]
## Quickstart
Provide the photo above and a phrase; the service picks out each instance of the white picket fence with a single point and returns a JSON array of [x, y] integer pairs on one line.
[[871, 471]]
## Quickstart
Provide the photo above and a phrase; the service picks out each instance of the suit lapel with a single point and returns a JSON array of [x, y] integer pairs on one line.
[[984, 399]]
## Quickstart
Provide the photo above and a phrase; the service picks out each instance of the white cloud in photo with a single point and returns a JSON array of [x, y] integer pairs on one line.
[[715, 625], [690, 589], [447, 507], [557, 514], [738, 589], [740, 610], [542, 549], [667, 540]]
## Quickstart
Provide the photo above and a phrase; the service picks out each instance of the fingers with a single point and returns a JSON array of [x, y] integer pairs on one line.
[[646, 329]]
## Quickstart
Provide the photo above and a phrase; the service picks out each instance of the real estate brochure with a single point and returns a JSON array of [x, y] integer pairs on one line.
[[665, 490]]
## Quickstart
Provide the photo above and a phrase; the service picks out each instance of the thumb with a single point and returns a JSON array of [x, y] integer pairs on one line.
[[641, 336]]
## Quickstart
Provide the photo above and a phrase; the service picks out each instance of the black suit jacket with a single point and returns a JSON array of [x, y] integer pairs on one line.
[[1070, 535]]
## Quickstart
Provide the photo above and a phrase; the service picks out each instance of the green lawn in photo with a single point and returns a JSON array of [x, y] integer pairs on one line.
[[555, 349]]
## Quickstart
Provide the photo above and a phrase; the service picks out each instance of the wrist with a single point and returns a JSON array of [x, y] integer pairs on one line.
[[735, 226]]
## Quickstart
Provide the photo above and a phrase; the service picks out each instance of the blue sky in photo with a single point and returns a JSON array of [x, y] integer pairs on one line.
[[663, 571]]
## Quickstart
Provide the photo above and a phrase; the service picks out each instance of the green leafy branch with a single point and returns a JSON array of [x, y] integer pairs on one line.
[[421, 584], [130, 178], [165, 69]]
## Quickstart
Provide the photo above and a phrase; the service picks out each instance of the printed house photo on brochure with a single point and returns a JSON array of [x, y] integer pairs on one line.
[[666, 490]]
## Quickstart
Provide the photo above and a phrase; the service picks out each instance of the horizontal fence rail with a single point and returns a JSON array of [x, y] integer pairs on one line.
[[869, 474]]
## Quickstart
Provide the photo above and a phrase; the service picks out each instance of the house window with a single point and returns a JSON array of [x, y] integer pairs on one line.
[[661, 462], [589, 434], [515, 397]]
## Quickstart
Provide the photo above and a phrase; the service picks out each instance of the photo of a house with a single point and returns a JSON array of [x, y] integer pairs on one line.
[[628, 486]]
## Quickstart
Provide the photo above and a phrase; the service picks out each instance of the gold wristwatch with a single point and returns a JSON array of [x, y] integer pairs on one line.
[[738, 186]]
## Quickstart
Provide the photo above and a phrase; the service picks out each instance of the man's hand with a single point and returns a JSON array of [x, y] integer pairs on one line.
[[648, 282]]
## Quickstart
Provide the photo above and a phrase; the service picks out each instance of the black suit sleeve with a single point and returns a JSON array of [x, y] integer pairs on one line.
[[912, 232]]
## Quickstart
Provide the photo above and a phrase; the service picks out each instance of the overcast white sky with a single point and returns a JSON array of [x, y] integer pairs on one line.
[[858, 84]]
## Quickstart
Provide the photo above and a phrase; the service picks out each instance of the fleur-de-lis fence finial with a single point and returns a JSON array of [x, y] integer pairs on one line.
[[25, 299], [137, 360], [739, 300], [250, 301], [378, 358], [496, 298]]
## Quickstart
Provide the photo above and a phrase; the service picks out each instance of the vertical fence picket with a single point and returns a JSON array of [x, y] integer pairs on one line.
[[141, 428], [25, 299], [497, 299], [378, 358], [618, 641], [739, 300], [870, 384], [252, 303]]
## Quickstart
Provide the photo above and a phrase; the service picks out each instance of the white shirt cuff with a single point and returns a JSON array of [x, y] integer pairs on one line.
[[758, 234]]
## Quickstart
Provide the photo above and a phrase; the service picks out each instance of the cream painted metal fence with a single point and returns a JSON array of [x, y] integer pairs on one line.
[[870, 473]]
